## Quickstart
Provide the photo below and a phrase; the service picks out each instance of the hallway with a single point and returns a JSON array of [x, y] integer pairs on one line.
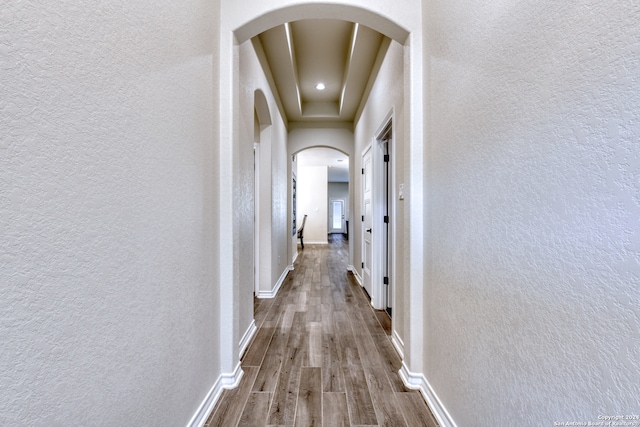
[[321, 356]]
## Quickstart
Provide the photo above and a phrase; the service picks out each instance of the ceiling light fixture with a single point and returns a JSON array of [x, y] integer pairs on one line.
[[320, 86]]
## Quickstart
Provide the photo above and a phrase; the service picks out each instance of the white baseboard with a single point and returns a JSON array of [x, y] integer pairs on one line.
[[274, 292], [293, 261], [224, 381], [398, 344], [419, 382], [247, 337], [326, 242]]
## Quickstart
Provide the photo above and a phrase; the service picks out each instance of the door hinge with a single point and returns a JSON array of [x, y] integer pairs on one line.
[[362, 171], [363, 265], [386, 280], [386, 219], [362, 218], [386, 158]]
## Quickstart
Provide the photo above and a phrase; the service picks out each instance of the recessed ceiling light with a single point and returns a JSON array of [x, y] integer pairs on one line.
[[320, 86]]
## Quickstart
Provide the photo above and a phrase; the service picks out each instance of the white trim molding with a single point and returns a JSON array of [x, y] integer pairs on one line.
[[274, 292], [224, 381], [419, 382], [247, 337], [398, 344]]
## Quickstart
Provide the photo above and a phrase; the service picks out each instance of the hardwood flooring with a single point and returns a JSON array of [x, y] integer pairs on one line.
[[321, 357]]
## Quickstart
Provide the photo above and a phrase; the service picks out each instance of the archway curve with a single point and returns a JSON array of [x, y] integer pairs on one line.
[[337, 139], [296, 12], [311, 147], [262, 108]]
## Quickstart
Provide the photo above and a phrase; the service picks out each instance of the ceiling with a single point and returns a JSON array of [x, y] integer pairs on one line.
[[336, 162], [342, 55]]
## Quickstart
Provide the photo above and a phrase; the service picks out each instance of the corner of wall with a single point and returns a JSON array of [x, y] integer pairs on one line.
[[419, 382], [224, 381], [278, 285]]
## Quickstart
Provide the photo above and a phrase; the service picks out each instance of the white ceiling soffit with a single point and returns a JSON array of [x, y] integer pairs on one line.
[[342, 55]]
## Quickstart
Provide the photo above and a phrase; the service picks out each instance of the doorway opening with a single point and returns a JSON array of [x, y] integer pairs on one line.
[[322, 193], [385, 140], [336, 216], [378, 211]]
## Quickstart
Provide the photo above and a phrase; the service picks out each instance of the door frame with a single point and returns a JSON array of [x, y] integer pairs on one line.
[[368, 150], [378, 297], [256, 219]]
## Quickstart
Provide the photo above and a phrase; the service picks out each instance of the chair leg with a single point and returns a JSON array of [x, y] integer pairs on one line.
[[301, 243]]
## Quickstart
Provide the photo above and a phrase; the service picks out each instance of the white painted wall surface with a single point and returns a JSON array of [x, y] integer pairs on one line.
[[533, 293], [387, 94], [274, 192], [339, 137], [108, 202], [312, 201]]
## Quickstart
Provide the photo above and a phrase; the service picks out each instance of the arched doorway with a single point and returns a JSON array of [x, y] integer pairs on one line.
[[323, 191], [239, 23]]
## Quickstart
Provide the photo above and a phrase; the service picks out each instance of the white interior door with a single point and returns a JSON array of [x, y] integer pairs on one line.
[[367, 213], [336, 216]]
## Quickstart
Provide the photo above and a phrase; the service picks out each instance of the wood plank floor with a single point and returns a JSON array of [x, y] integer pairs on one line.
[[322, 356]]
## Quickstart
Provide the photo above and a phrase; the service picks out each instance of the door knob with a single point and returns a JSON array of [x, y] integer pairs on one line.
[[368, 230]]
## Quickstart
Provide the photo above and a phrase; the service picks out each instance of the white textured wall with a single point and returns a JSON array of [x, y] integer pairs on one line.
[[533, 294], [387, 94], [107, 196], [339, 138], [274, 187]]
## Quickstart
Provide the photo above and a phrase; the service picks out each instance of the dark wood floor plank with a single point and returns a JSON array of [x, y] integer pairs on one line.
[[284, 399], [232, 402], [315, 344], [361, 410], [386, 407], [391, 361], [384, 320], [334, 410], [256, 410], [309, 406], [415, 410], [314, 311], [332, 376], [262, 307], [267, 377], [258, 347]]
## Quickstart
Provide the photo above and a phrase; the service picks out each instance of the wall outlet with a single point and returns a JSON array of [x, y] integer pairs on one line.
[[401, 192]]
